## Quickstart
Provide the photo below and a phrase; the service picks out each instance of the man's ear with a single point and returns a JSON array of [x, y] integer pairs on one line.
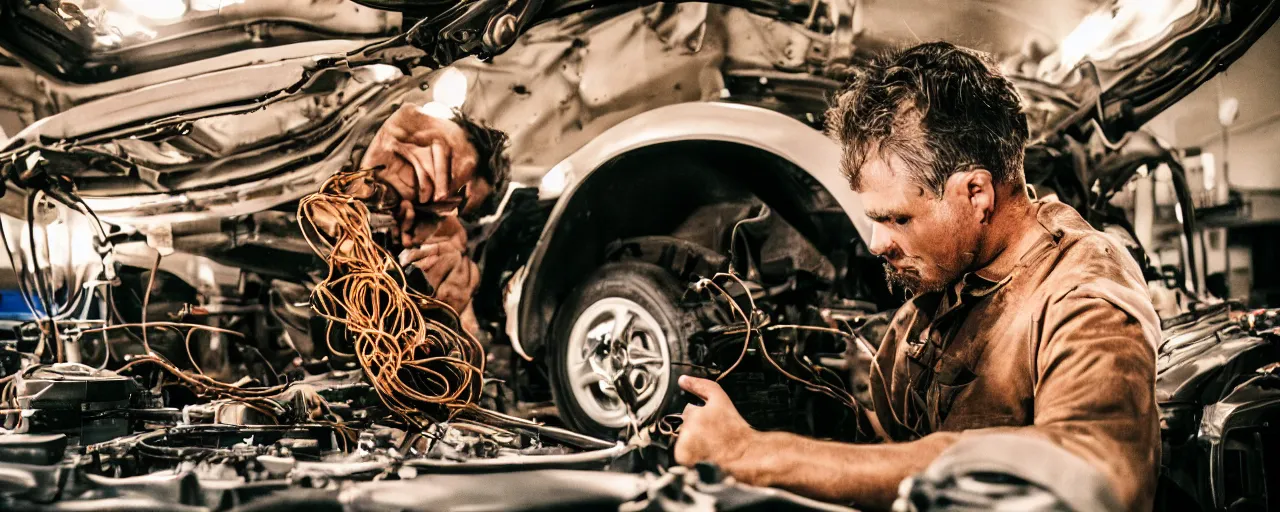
[[975, 188]]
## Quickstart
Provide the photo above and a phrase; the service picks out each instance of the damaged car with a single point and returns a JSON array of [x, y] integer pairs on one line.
[[672, 194]]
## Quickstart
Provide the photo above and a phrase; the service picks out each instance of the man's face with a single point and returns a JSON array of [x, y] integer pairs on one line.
[[926, 242]]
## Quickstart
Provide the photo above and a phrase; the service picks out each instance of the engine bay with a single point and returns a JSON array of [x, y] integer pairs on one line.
[[166, 400]]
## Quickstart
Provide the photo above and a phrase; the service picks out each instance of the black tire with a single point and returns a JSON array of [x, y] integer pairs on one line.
[[653, 289]]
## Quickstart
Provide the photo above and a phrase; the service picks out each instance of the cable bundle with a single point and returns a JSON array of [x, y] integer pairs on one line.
[[669, 425], [423, 368]]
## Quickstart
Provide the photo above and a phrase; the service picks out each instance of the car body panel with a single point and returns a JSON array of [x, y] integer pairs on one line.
[[103, 41], [1130, 61], [808, 149]]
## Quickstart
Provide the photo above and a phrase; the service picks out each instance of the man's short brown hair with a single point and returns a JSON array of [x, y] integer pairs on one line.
[[940, 108]]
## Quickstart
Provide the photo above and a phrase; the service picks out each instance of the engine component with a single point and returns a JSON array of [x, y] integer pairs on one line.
[[39, 449], [1216, 382], [85, 403]]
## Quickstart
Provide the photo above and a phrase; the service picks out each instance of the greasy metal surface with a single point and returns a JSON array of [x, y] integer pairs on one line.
[[1251, 404], [206, 276], [64, 44], [33, 96], [1202, 354], [1259, 392], [524, 491], [1000, 26], [266, 176], [556, 89], [1183, 381], [1160, 54], [218, 88]]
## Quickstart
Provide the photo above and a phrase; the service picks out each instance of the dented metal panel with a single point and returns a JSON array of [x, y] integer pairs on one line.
[[594, 72]]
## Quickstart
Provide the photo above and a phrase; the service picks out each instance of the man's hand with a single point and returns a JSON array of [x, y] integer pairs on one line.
[[426, 160], [714, 432], [443, 259]]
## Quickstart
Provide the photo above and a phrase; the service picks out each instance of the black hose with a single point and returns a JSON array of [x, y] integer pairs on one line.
[[1183, 191], [1144, 150], [42, 290]]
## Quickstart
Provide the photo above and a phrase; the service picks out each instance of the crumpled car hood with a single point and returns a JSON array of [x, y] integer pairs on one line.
[[1118, 69], [89, 42]]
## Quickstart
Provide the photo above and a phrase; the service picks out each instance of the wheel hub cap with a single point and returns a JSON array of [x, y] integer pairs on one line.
[[615, 341]]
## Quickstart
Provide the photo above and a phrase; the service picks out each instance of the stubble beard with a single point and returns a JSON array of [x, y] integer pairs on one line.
[[907, 280], [912, 283]]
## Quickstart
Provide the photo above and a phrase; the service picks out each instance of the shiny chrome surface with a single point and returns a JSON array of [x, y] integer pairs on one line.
[[613, 340]]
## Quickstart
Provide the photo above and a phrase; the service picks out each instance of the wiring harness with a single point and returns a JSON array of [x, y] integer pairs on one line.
[[424, 367]]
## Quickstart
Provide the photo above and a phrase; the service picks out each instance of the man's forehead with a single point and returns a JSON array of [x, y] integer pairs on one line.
[[885, 186]]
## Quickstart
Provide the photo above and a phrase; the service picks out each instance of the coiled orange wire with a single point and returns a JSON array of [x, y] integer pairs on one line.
[[423, 369]]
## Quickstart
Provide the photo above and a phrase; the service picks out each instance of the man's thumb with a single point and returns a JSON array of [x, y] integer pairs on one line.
[[703, 388]]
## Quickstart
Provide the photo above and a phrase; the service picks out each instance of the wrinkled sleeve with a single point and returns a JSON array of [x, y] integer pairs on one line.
[[1095, 386]]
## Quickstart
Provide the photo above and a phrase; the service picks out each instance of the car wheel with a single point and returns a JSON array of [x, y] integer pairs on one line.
[[623, 323]]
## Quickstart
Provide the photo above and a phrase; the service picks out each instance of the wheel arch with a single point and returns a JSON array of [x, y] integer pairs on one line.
[[640, 161]]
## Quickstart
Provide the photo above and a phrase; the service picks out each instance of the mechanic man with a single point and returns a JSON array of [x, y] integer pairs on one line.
[[438, 168], [1022, 318]]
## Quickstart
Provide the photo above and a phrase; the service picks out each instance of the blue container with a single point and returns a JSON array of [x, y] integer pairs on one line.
[[12, 307]]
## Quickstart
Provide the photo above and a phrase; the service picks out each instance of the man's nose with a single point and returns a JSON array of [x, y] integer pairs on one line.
[[880, 242]]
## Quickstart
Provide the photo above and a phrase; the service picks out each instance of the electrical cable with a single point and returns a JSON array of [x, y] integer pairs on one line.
[[146, 300], [665, 425], [106, 318], [43, 292], [418, 365]]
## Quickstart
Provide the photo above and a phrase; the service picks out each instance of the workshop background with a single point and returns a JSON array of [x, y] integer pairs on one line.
[[1227, 129], [674, 209]]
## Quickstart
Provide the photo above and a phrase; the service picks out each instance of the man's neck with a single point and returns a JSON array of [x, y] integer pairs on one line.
[[1015, 224]]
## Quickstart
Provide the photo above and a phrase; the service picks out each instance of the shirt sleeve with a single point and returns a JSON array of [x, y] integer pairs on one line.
[[1095, 386]]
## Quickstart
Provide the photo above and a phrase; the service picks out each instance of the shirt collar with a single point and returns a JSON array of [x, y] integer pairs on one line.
[[982, 282]]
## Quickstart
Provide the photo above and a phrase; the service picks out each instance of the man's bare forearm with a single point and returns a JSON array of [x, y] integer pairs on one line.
[[862, 474]]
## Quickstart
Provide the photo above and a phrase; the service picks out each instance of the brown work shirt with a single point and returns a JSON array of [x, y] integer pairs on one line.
[[1063, 346]]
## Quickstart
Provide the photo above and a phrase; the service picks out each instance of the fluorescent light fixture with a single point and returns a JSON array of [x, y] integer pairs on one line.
[[1210, 170]]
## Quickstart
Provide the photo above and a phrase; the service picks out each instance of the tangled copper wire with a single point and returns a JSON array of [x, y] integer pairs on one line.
[[669, 425], [423, 367]]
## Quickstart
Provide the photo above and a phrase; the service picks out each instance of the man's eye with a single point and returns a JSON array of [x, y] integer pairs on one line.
[[901, 221]]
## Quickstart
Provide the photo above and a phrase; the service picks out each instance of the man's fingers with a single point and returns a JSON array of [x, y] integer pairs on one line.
[[441, 266], [439, 173], [705, 389], [407, 218]]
